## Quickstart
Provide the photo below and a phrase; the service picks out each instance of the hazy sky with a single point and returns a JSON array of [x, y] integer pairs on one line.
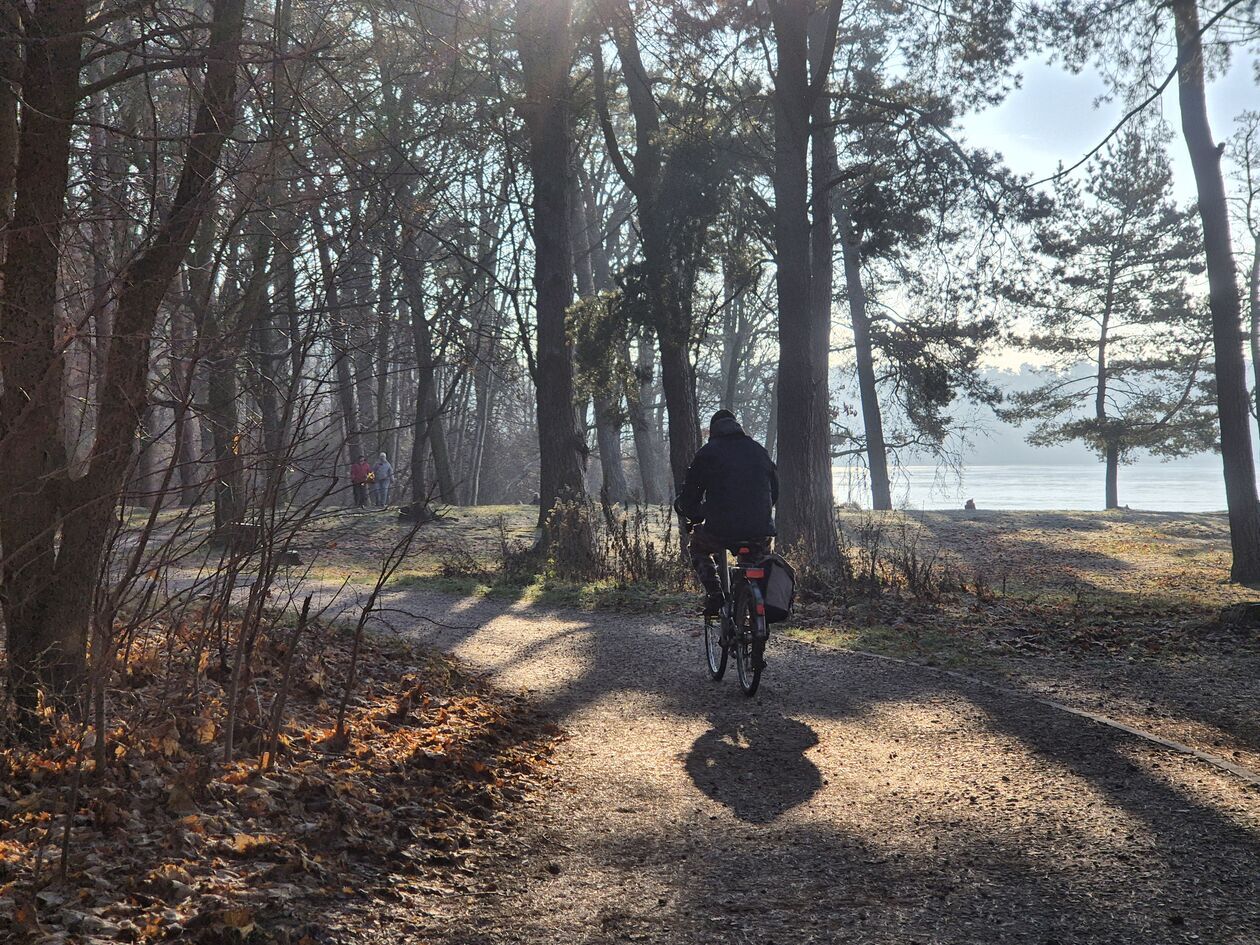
[[1052, 118]]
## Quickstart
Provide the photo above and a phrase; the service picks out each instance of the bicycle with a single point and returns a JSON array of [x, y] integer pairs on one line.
[[741, 625]]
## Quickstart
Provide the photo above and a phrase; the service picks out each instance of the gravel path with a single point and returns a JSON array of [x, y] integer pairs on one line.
[[852, 800]]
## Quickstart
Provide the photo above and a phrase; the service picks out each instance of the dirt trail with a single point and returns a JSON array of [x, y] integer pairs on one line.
[[852, 801]]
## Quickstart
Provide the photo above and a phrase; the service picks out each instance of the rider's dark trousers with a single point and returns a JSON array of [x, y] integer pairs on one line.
[[705, 549]]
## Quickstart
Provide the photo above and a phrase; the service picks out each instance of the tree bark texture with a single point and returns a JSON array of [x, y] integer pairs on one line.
[[38, 650], [806, 515], [545, 43], [1233, 406]]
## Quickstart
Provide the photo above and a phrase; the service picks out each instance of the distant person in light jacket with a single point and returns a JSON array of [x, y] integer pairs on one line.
[[383, 474]]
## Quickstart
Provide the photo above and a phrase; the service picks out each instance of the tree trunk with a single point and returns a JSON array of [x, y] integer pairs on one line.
[[10, 86], [647, 445], [1113, 475], [1231, 385], [187, 423], [864, 356], [734, 338], [1253, 294], [264, 360], [218, 364], [678, 382], [608, 436], [346, 393], [364, 365], [39, 650], [384, 324], [421, 488], [484, 388], [430, 437], [340, 348], [148, 471], [772, 421], [546, 50], [823, 170], [591, 264], [806, 514], [222, 418], [1111, 449], [441, 455]]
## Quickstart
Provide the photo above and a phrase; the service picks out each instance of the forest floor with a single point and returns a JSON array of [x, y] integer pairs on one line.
[[854, 799], [1115, 613], [908, 773], [171, 843], [933, 798]]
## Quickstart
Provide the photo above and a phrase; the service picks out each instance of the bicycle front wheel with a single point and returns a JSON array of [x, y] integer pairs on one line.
[[715, 651], [750, 640]]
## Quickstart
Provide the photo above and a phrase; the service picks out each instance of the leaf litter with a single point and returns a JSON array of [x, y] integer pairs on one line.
[[167, 842]]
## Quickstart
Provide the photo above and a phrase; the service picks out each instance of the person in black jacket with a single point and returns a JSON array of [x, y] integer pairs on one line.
[[728, 497]]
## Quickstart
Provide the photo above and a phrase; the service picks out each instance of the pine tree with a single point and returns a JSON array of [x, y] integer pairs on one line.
[[1127, 345]]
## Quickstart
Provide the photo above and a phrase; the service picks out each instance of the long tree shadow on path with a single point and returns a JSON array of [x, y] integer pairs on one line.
[[888, 800]]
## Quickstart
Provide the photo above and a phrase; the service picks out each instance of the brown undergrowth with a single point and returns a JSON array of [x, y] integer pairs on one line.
[[970, 587], [166, 842]]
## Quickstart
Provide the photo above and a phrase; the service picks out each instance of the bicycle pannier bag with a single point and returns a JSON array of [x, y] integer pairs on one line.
[[780, 588]]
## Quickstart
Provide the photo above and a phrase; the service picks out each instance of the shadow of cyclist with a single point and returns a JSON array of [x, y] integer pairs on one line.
[[756, 765]]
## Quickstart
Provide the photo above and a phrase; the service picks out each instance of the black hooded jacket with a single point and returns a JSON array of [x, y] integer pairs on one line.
[[731, 485]]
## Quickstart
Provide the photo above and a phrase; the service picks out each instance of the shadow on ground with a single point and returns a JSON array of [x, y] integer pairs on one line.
[[959, 814], [755, 766]]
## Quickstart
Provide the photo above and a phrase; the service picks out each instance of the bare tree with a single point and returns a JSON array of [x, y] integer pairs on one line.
[[49, 584]]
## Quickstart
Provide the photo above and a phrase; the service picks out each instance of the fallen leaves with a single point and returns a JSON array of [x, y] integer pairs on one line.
[[169, 843]]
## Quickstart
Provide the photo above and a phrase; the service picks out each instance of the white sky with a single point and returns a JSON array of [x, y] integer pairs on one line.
[[1052, 118]]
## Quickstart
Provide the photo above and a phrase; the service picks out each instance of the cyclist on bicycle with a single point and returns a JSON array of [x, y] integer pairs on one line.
[[728, 499]]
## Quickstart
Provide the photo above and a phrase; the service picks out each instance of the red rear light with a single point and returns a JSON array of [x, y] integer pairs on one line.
[[761, 610], [744, 551], [755, 572]]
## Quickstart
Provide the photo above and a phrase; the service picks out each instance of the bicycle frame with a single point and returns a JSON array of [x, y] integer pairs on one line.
[[737, 629]]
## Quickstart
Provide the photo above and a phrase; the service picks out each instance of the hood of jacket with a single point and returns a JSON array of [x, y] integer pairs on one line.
[[726, 426]]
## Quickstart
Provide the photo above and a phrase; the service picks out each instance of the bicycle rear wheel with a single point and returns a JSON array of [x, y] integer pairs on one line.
[[750, 640], [715, 651]]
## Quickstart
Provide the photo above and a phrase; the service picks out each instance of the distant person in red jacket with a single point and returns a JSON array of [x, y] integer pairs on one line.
[[360, 473]]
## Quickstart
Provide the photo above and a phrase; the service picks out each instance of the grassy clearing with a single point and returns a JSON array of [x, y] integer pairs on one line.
[[949, 587], [1134, 584]]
